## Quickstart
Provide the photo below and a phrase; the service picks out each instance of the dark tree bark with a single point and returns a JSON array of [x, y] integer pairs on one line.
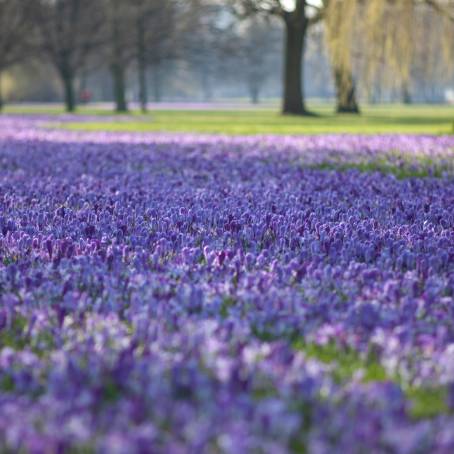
[[254, 92], [296, 25], [118, 60], [345, 92], [142, 65], [406, 95], [157, 84], [67, 79], [119, 87]]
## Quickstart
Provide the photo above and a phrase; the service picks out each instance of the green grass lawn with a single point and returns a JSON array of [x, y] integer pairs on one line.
[[374, 119]]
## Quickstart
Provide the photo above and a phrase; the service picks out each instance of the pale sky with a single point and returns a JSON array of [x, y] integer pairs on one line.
[[290, 4]]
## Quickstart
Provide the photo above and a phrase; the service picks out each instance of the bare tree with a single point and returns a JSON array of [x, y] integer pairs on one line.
[[69, 32], [252, 45], [203, 42], [258, 52], [120, 41], [156, 32], [297, 16], [16, 31]]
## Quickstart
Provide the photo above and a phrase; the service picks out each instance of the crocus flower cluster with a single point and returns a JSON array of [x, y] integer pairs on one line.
[[189, 294]]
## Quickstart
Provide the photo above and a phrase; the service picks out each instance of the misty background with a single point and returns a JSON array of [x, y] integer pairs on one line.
[[197, 51]]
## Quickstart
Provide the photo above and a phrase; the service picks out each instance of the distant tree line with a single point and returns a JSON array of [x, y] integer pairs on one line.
[[369, 44]]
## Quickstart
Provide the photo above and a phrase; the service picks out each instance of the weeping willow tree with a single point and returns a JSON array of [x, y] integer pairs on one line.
[[433, 60], [341, 33], [367, 38]]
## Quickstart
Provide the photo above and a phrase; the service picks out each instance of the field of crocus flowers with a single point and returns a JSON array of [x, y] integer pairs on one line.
[[165, 293]]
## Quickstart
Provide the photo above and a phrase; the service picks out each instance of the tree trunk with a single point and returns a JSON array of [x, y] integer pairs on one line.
[[143, 92], [254, 90], [157, 85], [406, 95], [345, 92], [375, 93], [68, 86], [119, 87], [118, 64], [142, 65], [206, 85], [255, 95], [295, 28]]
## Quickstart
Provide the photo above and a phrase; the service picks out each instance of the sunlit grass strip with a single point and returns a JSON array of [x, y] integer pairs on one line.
[[374, 120]]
